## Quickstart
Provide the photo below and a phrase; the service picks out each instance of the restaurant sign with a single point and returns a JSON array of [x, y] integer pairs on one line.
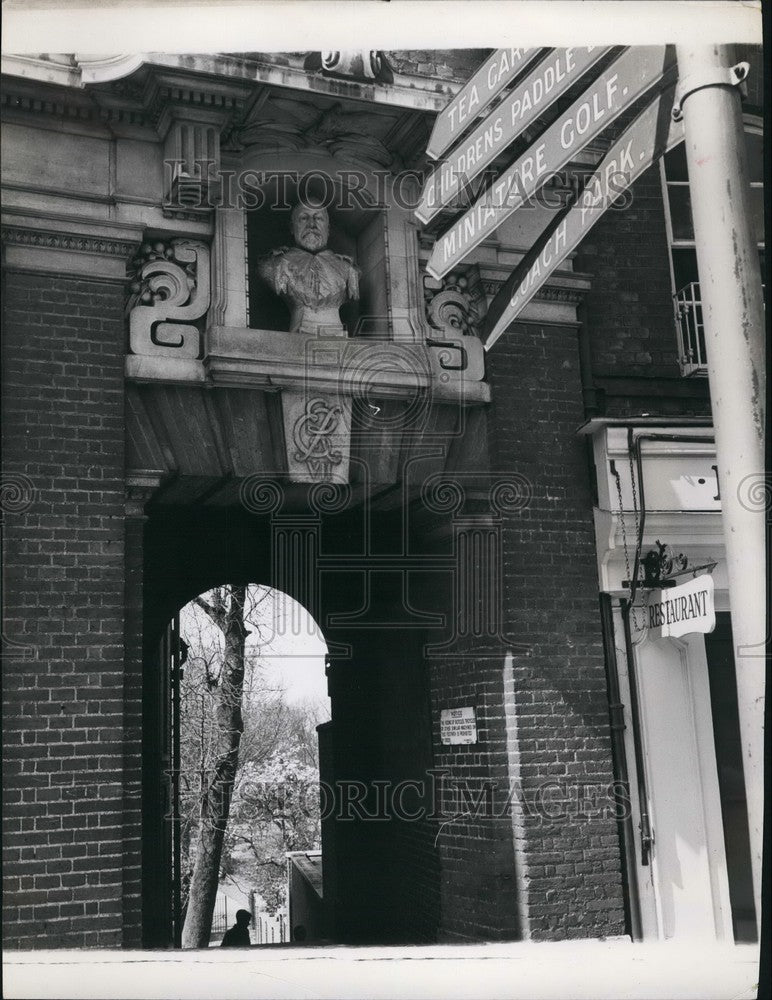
[[681, 610]]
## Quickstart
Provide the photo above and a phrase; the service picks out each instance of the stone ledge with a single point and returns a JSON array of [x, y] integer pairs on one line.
[[76, 247]]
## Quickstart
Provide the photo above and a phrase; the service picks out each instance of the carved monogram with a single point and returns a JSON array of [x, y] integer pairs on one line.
[[312, 436]]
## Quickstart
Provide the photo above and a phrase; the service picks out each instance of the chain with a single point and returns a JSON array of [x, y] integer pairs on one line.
[[637, 525], [622, 526]]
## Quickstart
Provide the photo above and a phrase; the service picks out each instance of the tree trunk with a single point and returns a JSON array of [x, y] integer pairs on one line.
[[216, 799]]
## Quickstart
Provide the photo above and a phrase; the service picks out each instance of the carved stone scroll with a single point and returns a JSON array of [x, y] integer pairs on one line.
[[363, 64], [451, 305], [170, 292]]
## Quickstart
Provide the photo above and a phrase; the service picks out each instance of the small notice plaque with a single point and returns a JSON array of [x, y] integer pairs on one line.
[[458, 725]]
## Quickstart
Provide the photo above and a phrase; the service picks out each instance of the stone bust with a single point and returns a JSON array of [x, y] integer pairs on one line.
[[314, 281]]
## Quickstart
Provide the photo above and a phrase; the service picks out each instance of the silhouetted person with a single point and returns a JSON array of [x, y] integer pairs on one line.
[[238, 935]]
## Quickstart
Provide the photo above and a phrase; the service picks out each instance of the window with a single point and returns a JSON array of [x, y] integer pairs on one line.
[[683, 256]]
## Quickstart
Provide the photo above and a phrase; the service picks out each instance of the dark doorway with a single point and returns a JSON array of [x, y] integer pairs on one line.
[[381, 876], [719, 648]]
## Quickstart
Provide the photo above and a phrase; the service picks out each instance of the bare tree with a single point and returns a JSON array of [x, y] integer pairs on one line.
[[249, 763], [227, 609], [276, 805]]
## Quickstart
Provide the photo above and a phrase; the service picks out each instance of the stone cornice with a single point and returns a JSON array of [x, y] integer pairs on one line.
[[48, 239], [547, 293], [95, 250], [418, 92]]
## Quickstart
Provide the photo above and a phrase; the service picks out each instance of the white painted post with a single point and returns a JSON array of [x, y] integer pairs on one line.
[[732, 307]]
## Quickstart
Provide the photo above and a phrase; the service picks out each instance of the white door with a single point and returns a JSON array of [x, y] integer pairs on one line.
[[684, 892]]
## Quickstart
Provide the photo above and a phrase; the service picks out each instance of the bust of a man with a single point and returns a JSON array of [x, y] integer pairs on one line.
[[313, 281]]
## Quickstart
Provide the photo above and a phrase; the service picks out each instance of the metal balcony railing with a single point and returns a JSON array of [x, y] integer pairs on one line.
[[690, 329], [692, 356]]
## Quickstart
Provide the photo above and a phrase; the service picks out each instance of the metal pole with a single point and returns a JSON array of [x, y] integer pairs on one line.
[[732, 306]]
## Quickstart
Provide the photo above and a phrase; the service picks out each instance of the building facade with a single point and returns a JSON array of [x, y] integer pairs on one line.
[[512, 754]]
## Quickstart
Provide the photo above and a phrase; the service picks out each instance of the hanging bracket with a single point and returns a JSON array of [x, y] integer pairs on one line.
[[730, 76]]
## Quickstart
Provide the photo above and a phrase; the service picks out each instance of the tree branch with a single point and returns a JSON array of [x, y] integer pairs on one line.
[[216, 614]]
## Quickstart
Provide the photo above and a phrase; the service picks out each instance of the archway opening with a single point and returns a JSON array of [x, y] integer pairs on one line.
[[247, 691]]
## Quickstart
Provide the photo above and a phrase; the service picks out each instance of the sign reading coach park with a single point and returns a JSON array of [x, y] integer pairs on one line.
[[530, 98], [490, 79], [630, 76], [682, 610], [458, 726], [650, 135]]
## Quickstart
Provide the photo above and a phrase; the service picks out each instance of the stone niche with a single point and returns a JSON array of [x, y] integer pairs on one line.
[[356, 232], [345, 407]]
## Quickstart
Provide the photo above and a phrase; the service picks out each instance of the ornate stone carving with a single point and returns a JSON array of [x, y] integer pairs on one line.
[[170, 291], [362, 64], [192, 161], [451, 305], [313, 281]]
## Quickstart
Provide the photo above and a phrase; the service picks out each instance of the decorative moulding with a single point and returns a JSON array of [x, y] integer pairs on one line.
[[48, 239], [452, 368], [98, 252], [103, 68], [271, 361]]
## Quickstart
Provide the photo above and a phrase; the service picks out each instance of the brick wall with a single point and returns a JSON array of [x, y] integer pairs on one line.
[[629, 314], [64, 594], [542, 718], [629, 309]]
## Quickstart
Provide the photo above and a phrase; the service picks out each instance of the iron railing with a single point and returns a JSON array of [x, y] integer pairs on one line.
[[692, 356]]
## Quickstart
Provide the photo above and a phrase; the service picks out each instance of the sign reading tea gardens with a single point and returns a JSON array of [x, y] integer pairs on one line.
[[630, 76], [490, 79], [532, 97]]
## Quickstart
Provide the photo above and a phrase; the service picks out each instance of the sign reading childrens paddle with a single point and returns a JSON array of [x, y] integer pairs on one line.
[[553, 76], [628, 78]]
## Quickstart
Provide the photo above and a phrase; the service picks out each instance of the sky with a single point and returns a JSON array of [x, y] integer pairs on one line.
[[294, 649]]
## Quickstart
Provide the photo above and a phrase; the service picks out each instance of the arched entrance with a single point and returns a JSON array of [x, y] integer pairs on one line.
[[245, 690], [380, 868]]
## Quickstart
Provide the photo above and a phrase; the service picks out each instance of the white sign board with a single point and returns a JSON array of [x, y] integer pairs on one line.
[[636, 71], [489, 80], [458, 725], [531, 98], [682, 610], [650, 135]]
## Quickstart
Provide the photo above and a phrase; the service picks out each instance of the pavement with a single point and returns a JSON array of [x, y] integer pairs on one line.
[[571, 970]]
